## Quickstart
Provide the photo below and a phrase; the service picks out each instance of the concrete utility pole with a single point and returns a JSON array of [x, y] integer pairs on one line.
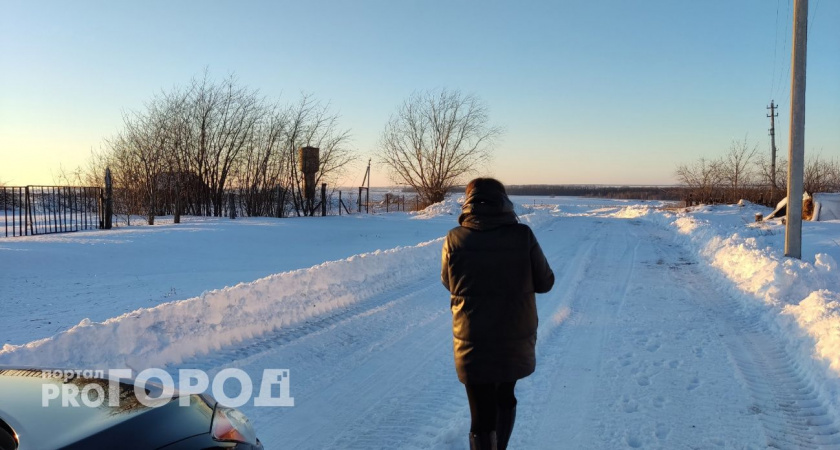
[[772, 117], [796, 149]]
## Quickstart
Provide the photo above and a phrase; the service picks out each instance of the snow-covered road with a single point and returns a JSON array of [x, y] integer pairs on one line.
[[637, 349], [665, 330]]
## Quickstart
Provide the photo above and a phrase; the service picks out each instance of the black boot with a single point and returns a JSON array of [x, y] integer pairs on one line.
[[504, 426], [483, 441]]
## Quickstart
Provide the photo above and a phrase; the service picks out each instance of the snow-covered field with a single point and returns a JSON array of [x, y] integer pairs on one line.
[[666, 329]]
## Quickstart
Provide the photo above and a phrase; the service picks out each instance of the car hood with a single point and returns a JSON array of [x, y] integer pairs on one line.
[[43, 424]]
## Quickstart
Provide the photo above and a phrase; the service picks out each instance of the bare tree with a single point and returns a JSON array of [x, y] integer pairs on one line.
[[821, 175], [742, 174], [260, 176], [66, 177], [223, 117], [146, 138], [93, 173], [764, 170], [702, 179], [735, 167], [127, 176], [313, 124], [191, 147], [435, 139]]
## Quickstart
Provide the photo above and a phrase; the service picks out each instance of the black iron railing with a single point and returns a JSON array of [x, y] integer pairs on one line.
[[34, 210]]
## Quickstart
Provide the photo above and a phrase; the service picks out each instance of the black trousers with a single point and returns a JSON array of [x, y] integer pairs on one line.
[[486, 399]]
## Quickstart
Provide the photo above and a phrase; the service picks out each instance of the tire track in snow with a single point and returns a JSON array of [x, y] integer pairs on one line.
[[255, 348], [634, 365], [431, 410], [378, 375], [787, 403], [571, 339]]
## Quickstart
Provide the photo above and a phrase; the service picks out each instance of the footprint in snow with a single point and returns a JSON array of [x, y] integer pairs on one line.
[[693, 384], [632, 440], [674, 364], [629, 406], [662, 431], [659, 401]]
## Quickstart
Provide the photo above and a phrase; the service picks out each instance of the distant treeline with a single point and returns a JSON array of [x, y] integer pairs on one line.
[[674, 193]]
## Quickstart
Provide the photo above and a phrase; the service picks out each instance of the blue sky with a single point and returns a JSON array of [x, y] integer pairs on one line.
[[607, 92]]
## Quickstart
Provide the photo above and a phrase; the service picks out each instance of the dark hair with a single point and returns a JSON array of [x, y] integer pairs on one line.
[[485, 184]]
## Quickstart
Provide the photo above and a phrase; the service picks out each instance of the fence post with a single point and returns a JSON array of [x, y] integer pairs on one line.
[[109, 200], [387, 202], [339, 203], [177, 201], [6, 212], [232, 205], [323, 199], [28, 221]]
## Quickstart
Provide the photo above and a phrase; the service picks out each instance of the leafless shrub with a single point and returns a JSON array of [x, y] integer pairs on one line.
[[743, 174]]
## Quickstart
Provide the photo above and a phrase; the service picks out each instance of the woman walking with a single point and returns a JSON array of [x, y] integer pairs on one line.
[[492, 266]]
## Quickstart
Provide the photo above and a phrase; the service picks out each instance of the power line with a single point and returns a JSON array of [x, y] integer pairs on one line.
[[785, 74], [775, 47], [813, 17]]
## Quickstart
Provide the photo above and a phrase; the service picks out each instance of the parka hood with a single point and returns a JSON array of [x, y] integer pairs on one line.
[[487, 209]]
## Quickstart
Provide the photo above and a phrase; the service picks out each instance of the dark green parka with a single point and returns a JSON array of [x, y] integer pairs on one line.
[[492, 266]]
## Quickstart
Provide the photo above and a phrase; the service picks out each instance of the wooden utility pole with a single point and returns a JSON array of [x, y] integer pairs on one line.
[[796, 149], [773, 114]]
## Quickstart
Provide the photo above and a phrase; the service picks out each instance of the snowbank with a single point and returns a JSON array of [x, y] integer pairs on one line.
[[452, 207], [448, 207], [172, 332]]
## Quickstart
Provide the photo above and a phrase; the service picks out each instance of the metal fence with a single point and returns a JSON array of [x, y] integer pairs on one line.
[[35, 210]]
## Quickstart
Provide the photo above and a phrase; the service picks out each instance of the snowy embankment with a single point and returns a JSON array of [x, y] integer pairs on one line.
[[800, 299], [172, 332]]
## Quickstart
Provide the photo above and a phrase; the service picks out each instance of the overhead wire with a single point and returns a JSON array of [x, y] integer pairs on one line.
[[784, 75], [813, 15], [813, 18], [775, 49]]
